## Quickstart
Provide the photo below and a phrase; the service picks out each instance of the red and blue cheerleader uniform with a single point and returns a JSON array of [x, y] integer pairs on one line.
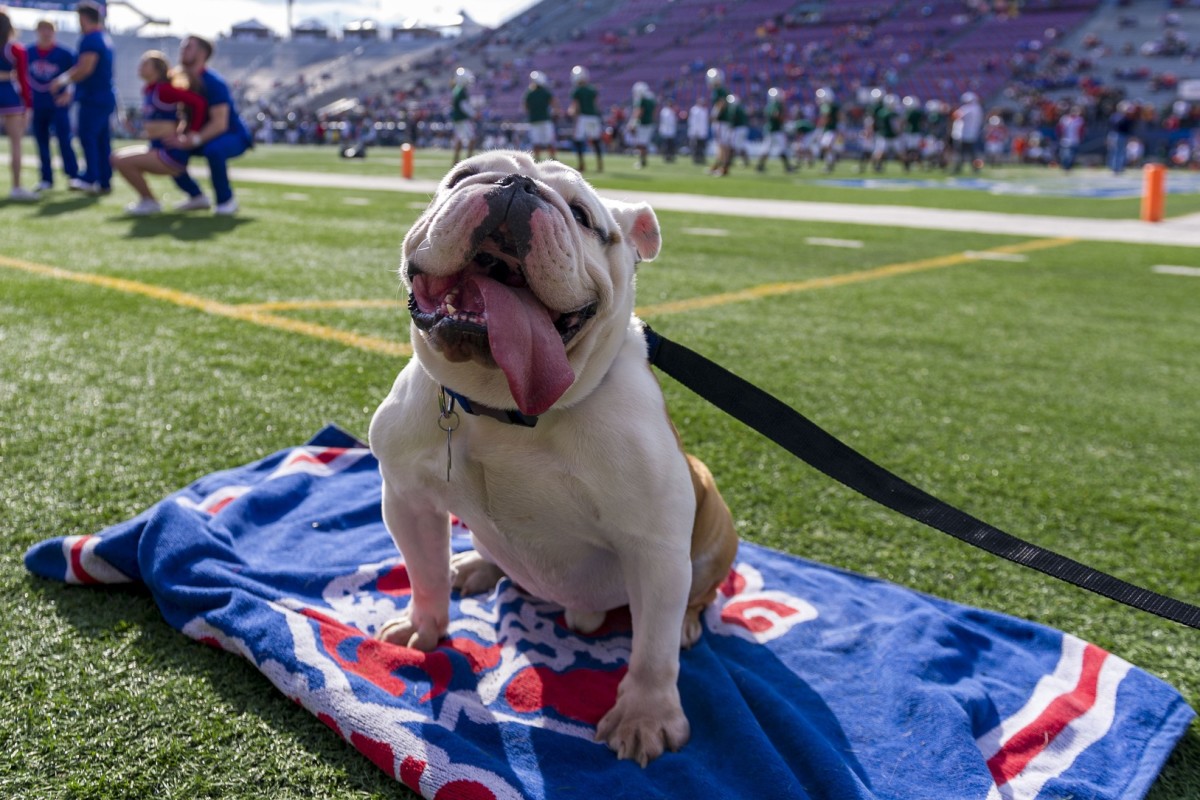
[[160, 101], [16, 96]]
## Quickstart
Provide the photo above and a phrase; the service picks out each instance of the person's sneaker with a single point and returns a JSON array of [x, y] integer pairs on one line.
[[143, 208], [197, 203], [228, 208], [79, 185], [44, 186], [23, 195]]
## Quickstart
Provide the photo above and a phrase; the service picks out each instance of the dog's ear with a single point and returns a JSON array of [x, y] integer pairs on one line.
[[639, 224]]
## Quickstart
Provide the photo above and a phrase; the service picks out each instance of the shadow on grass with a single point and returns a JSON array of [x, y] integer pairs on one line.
[[182, 227], [55, 208], [99, 613]]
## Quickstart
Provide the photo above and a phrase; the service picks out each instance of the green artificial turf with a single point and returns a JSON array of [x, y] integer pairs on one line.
[[1055, 398]]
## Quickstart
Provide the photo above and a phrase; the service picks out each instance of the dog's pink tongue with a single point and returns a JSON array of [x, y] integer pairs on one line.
[[525, 345]]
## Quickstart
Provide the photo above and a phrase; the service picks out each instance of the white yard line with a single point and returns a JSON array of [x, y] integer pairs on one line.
[[821, 241], [1172, 269], [992, 255]]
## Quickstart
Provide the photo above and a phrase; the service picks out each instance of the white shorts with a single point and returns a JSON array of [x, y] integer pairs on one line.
[[721, 132], [883, 145], [464, 132], [828, 139], [587, 128], [739, 138], [643, 135], [912, 141], [777, 143], [541, 134]]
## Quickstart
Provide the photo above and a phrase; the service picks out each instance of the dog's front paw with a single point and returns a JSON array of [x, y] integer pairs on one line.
[[642, 726], [418, 631]]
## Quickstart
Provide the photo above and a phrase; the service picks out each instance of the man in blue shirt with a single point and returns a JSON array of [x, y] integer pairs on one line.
[[223, 136], [95, 97], [47, 61]]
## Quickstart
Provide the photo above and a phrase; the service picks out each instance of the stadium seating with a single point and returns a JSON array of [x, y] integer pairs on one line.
[[932, 48]]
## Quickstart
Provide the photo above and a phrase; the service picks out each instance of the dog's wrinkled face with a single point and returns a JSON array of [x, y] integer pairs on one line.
[[521, 280]]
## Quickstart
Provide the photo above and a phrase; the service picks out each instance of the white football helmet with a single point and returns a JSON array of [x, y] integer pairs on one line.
[[463, 77], [714, 78], [579, 74]]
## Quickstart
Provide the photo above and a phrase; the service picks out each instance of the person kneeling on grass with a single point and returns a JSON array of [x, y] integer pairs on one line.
[[161, 101]]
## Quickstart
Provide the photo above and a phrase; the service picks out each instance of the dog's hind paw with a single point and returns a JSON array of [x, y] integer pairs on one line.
[[420, 635], [471, 573]]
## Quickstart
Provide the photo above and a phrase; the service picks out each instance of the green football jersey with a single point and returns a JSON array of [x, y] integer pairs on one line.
[[774, 114], [460, 104], [832, 113], [914, 121], [537, 104], [646, 108], [585, 98]]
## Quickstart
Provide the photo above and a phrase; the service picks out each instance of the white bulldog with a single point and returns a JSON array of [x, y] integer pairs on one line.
[[521, 288]]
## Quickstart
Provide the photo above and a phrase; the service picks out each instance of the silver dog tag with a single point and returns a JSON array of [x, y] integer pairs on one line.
[[447, 421]]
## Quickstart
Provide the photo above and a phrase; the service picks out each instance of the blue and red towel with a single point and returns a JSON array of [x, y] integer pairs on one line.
[[809, 682]]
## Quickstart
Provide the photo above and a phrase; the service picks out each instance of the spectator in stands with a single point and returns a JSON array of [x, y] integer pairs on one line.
[[161, 101], [1070, 136], [775, 132], [697, 131], [539, 109], [51, 112], [642, 117], [462, 113], [15, 100], [965, 128], [668, 130], [222, 137], [95, 100], [1120, 128], [587, 116]]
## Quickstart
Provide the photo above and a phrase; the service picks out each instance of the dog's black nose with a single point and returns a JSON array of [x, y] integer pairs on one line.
[[522, 182]]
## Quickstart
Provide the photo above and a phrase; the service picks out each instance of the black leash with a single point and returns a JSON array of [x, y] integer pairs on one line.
[[804, 439]]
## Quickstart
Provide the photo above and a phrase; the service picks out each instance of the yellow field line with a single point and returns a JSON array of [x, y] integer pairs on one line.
[[887, 271], [304, 305], [368, 343], [258, 313]]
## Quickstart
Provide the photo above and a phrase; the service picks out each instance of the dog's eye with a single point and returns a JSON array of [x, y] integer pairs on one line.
[[459, 176], [581, 215]]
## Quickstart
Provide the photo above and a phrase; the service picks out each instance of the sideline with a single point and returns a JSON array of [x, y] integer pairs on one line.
[[1179, 231], [259, 313]]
